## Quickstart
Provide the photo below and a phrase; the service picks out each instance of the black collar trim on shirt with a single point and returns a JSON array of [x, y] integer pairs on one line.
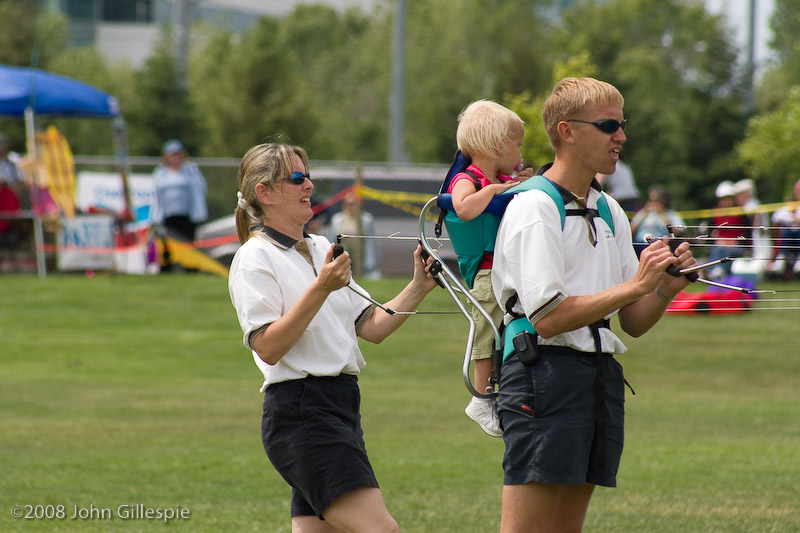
[[277, 238]]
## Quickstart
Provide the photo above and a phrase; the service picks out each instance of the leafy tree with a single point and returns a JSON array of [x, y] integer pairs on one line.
[[536, 149], [770, 152], [674, 64], [249, 90], [92, 136], [161, 108], [778, 82], [343, 60], [27, 38], [459, 51]]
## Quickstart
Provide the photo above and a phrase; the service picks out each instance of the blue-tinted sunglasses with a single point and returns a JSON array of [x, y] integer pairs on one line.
[[298, 178], [608, 125]]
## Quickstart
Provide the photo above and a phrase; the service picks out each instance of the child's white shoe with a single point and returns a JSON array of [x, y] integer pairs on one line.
[[484, 412]]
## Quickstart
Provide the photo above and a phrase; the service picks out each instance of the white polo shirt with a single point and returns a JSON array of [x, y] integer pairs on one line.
[[544, 265], [267, 277]]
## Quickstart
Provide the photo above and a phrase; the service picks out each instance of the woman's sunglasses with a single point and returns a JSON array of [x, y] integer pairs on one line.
[[608, 125], [298, 178]]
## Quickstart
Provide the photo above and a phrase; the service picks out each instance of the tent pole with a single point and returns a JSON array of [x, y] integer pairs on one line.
[[38, 233], [120, 139]]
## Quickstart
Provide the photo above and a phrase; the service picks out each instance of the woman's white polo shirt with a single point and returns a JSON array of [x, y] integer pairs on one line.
[[267, 277]]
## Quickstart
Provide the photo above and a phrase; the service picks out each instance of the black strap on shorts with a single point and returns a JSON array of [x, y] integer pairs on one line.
[[600, 396]]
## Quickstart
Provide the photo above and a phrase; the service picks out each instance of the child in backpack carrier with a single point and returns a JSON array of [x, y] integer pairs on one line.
[[491, 136]]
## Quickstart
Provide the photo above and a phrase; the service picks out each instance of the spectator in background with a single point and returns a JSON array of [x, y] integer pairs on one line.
[[10, 174], [346, 222], [180, 192], [11, 182], [729, 231], [621, 185], [787, 223], [652, 219], [745, 193]]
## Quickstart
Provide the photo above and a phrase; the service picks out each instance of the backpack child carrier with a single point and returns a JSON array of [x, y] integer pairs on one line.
[[471, 239]]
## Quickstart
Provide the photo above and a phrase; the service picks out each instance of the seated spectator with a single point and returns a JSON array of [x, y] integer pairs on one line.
[[11, 180], [730, 231], [787, 232], [9, 230], [652, 219], [745, 194]]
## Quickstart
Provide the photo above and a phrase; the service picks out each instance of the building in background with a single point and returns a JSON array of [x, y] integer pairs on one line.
[[127, 30]]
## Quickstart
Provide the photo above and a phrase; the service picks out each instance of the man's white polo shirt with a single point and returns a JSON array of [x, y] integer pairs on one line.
[[267, 277], [543, 264]]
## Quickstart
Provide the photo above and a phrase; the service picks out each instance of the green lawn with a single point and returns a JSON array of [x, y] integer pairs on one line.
[[124, 390]]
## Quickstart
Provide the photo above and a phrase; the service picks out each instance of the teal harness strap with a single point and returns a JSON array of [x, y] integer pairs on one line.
[[605, 212], [540, 183], [518, 325]]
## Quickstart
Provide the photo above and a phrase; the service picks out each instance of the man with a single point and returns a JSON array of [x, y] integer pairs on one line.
[[562, 408]]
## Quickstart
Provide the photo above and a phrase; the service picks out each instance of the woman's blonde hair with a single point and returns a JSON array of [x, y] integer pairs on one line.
[[484, 128], [267, 163], [570, 97]]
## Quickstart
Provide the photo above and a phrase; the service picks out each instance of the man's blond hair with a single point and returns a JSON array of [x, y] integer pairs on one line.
[[484, 128], [570, 97]]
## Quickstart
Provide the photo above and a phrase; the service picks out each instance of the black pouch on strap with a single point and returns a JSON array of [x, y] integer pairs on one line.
[[526, 347]]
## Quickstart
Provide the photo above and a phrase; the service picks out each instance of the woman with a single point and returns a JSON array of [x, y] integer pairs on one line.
[[301, 323], [180, 192]]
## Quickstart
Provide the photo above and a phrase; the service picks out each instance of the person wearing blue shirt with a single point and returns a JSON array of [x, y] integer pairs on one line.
[[180, 192]]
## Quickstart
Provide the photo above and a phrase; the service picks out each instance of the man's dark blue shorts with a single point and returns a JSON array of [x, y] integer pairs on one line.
[[311, 430], [549, 420]]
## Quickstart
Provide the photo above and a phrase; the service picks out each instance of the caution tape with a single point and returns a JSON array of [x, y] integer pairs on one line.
[[412, 203], [731, 211], [405, 201]]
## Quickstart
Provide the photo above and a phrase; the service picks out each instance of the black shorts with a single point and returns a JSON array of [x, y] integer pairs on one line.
[[311, 430], [549, 420]]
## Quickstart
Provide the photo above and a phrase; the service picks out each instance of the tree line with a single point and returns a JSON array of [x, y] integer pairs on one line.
[[321, 78]]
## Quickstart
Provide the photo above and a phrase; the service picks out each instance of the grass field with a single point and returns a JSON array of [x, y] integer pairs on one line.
[[122, 390]]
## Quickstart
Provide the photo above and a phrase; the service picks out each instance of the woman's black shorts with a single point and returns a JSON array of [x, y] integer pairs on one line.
[[311, 430]]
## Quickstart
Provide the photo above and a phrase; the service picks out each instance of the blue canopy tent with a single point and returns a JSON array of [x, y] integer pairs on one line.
[[50, 94], [27, 92]]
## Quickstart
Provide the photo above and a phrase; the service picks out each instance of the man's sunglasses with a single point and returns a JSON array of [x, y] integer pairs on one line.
[[608, 125], [298, 178]]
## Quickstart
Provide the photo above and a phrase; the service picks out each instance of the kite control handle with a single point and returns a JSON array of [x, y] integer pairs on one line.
[[672, 270], [436, 266], [338, 249]]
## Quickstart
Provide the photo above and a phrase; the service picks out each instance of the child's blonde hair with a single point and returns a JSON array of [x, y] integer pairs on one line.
[[484, 128], [570, 97]]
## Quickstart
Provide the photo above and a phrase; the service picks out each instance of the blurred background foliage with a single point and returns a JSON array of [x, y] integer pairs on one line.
[[321, 78]]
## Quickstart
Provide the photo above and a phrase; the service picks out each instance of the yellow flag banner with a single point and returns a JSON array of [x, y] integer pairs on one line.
[[185, 254], [58, 168]]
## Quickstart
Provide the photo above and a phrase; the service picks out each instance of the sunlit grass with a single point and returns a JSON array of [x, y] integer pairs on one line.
[[122, 390]]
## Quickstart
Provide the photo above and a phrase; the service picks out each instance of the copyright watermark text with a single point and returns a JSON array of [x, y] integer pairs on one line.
[[126, 511]]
